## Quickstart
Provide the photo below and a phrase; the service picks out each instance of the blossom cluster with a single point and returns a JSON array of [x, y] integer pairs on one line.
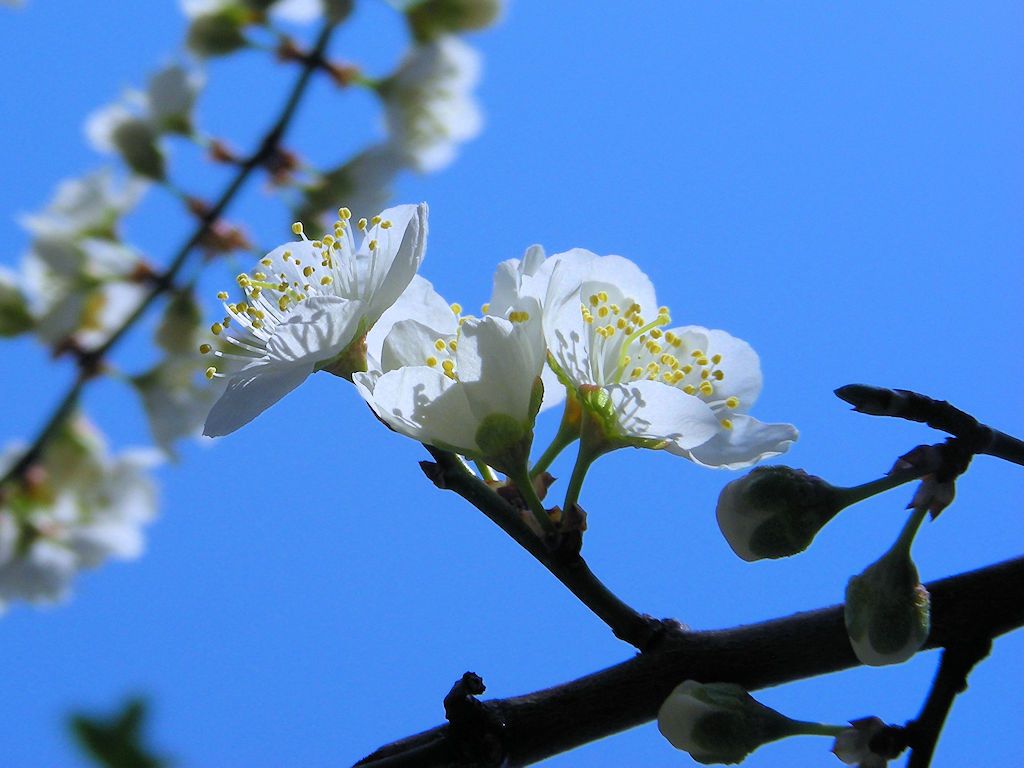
[[77, 507], [573, 327]]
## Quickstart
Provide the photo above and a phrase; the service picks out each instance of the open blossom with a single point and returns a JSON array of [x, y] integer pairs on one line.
[[79, 507], [429, 107], [470, 386], [86, 207], [685, 389], [308, 307]]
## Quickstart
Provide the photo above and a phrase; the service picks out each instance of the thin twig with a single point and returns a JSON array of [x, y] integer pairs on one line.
[[938, 414], [544, 723], [951, 680], [89, 361], [561, 558]]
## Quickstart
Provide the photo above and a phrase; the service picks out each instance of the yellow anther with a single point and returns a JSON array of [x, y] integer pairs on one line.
[[373, 245], [344, 214], [621, 324], [656, 333], [697, 353], [307, 271], [216, 329], [727, 423], [687, 369], [241, 308], [636, 373], [297, 228], [375, 220], [690, 389], [706, 388], [260, 276], [615, 308], [226, 322], [204, 349], [362, 225], [326, 280], [485, 309], [456, 308], [432, 361], [211, 372], [448, 366], [453, 345], [439, 345], [704, 374], [602, 295], [702, 361], [663, 311], [716, 359], [594, 301], [603, 312], [222, 295], [719, 375], [386, 224], [282, 303], [267, 262], [732, 402]]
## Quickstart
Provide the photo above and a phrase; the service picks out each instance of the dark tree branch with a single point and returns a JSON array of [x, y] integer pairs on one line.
[[951, 680], [538, 725], [938, 414], [562, 558]]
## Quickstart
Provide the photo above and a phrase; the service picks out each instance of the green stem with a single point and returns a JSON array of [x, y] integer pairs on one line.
[[562, 440], [858, 493], [485, 472], [806, 728], [906, 537], [88, 361]]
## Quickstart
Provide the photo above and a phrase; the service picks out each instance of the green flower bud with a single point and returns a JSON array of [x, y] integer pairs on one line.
[[775, 511], [218, 34], [431, 18], [135, 140], [887, 608], [180, 326], [853, 745], [14, 315], [720, 722]]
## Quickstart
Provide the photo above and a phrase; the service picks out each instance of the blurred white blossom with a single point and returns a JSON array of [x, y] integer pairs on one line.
[[76, 508], [428, 102]]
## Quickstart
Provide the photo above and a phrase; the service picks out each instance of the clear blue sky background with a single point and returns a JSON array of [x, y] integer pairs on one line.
[[839, 184]]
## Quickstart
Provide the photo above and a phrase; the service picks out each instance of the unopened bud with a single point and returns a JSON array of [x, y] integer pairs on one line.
[[136, 142], [431, 18], [719, 722], [887, 608], [219, 33], [14, 315], [775, 511], [853, 746]]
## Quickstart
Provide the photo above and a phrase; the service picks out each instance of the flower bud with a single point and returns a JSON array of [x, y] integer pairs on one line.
[[431, 18], [853, 746], [887, 609], [217, 34], [719, 722], [14, 314], [775, 511]]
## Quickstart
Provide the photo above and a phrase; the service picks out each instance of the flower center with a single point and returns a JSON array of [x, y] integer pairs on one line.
[[625, 347], [276, 286]]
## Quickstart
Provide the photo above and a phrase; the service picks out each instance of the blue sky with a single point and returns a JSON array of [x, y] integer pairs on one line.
[[838, 184]]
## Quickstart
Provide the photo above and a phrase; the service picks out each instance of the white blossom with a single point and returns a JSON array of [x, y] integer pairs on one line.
[[429, 107], [90, 206], [685, 389], [308, 307], [83, 507], [470, 386]]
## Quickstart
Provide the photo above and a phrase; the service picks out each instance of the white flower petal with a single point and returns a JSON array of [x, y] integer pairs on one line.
[[497, 363], [418, 302], [251, 392], [653, 411], [740, 363], [748, 442], [317, 329]]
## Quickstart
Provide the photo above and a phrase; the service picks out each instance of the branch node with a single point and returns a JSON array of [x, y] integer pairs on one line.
[[476, 729]]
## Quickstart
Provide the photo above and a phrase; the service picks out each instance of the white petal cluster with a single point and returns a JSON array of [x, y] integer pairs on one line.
[[131, 128], [428, 102], [77, 279], [308, 306], [79, 507]]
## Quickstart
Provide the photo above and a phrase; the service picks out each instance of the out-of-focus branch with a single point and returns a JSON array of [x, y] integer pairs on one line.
[[561, 557], [89, 362], [982, 603]]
